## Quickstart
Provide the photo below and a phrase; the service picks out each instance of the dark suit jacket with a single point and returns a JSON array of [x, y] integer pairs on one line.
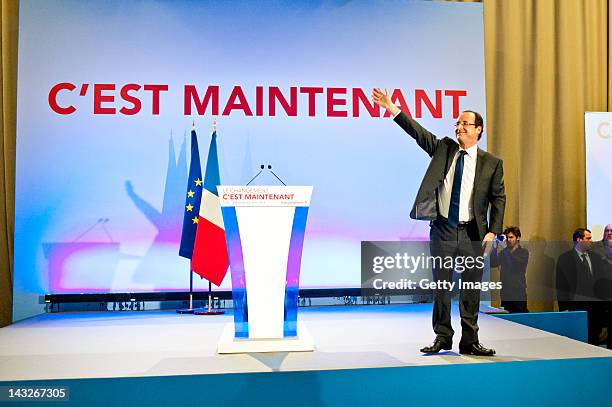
[[598, 248], [603, 287], [574, 284], [513, 272], [488, 180]]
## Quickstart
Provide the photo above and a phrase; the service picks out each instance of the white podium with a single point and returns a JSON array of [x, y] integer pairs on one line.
[[264, 227]]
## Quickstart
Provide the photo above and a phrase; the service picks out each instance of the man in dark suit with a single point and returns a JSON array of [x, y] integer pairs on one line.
[[576, 273], [603, 287], [512, 259], [462, 196], [598, 247]]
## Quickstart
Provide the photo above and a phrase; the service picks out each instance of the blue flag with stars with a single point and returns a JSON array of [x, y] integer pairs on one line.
[[192, 200]]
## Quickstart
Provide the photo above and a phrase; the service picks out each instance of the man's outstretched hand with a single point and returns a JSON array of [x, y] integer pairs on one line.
[[383, 100]]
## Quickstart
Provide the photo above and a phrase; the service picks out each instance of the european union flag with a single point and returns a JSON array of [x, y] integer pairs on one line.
[[192, 200]]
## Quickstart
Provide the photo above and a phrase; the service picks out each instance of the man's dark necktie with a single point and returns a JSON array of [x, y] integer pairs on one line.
[[453, 210], [585, 265]]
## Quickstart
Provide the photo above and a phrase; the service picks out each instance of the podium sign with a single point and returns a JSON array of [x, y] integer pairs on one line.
[[264, 227]]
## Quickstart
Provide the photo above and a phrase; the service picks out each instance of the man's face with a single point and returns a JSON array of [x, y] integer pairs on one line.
[[585, 243], [512, 240], [467, 133], [608, 232]]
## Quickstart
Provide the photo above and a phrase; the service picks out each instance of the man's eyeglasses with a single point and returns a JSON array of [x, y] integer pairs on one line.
[[464, 124]]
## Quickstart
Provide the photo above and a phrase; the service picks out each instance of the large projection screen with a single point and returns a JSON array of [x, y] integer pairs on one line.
[[598, 150], [108, 92]]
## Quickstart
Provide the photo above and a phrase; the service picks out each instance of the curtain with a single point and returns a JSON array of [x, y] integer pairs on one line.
[[546, 63], [8, 104]]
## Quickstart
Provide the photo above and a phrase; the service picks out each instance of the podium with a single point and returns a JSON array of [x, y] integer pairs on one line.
[[264, 229]]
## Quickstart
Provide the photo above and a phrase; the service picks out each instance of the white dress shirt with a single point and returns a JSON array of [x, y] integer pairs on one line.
[[466, 212]]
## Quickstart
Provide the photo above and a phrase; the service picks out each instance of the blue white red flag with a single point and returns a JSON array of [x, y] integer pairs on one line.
[[210, 259]]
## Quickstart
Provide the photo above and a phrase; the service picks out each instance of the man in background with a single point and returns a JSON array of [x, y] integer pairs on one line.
[[598, 247], [513, 259], [576, 273], [604, 290]]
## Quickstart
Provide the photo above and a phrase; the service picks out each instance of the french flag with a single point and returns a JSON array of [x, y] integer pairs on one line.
[[210, 259]]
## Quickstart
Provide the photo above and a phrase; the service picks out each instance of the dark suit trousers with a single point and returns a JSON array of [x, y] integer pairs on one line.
[[461, 241]]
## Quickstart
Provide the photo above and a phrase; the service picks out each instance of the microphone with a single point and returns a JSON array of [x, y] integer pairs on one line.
[[270, 168], [88, 230], [262, 168], [105, 221], [256, 175]]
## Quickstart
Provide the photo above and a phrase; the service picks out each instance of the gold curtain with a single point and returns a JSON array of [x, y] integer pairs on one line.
[[547, 62], [8, 104]]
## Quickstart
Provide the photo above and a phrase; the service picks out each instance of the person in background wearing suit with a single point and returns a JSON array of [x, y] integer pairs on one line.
[[603, 283], [513, 260], [462, 185], [604, 289], [598, 247], [576, 273]]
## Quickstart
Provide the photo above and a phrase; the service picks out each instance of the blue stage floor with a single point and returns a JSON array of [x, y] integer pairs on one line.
[[364, 355]]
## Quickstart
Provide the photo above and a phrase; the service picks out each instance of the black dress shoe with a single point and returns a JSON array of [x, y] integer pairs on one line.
[[476, 349], [437, 346]]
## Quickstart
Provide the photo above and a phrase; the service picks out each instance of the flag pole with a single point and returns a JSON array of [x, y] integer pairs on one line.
[[190, 309], [210, 310], [190, 289], [209, 296]]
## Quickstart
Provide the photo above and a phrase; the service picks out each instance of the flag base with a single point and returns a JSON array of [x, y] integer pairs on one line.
[[185, 311], [205, 311], [301, 343]]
